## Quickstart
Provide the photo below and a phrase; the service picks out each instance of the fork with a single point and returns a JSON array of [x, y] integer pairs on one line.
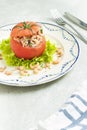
[[59, 20]]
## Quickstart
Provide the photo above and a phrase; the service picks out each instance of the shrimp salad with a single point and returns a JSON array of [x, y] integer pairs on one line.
[[28, 49]]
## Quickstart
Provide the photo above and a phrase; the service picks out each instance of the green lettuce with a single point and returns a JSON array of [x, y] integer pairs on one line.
[[12, 60]]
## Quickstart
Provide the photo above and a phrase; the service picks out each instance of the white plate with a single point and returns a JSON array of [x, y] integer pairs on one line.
[[56, 34]]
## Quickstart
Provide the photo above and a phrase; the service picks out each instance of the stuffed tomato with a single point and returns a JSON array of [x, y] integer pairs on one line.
[[27, 40]]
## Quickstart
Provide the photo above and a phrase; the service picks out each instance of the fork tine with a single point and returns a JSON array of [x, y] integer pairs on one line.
[[57, 16]]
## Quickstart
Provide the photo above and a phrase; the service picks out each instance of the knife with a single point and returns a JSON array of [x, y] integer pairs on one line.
[[75, 20]]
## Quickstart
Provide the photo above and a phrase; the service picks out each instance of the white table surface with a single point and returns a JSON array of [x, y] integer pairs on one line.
[[22, 108]]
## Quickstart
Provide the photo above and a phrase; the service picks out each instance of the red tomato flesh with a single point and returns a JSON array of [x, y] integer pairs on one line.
[[27, 52], [26, 29]]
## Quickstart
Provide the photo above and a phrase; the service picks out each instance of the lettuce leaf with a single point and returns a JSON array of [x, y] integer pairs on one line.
[[12, 60]]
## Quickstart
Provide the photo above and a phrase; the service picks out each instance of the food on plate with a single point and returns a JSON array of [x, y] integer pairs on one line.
[[27, 40], [27, 49], [2, 69]]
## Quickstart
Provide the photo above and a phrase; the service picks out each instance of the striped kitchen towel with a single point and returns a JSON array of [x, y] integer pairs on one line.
[[72, 116]]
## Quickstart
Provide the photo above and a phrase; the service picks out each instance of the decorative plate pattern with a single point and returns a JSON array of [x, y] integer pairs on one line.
[[61, 37]]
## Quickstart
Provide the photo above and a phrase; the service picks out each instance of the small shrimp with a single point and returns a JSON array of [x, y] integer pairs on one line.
[[2, 69], [57, 61], [47, 65], [35, 71], [8, 72], [20, 68], [31, 66], [60, 51], [23, 73], [34, 66]]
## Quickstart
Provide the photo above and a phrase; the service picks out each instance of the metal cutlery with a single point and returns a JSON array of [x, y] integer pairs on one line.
[[59, 20], [75, 20]]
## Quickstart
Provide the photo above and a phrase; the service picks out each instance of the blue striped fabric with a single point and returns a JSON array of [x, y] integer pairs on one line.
[[83, 115], [72, 116]]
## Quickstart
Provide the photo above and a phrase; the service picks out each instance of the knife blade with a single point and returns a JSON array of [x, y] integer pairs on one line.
[[75, 20]]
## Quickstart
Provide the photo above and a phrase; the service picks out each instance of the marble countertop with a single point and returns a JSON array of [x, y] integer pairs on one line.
[[22, 108]]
